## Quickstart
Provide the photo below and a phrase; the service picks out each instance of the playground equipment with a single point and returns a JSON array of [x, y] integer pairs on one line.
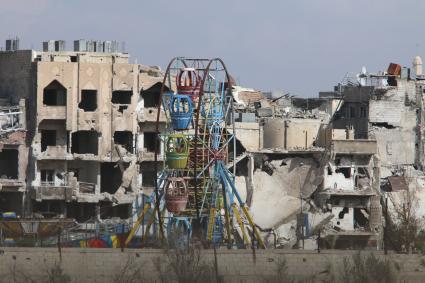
[[195, 197]]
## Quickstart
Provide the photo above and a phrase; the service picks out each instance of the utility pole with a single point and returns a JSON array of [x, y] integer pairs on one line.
[[386, 225], [301, 217]]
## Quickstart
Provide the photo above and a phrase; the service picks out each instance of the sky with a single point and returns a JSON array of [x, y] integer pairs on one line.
[[299, 46]]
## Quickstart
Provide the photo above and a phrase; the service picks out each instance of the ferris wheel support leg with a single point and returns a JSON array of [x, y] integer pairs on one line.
[[243, 207], [227, 218], [254, 228], [150, 222], [241, 225], [137, 224], [211, 223]]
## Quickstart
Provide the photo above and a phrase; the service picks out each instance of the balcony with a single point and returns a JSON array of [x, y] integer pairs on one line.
[[55, 152], [50, 191], [11, 185], [52, 112]]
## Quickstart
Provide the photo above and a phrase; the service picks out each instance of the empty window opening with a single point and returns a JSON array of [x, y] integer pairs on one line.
[[346, 171], [150, 99], [47, 177], [110, 177], [329, 170], [81, 212], [392, 81], [149, 140], [360, 218], [53, 133], [342, 213], [9, 164], [150, 96], [68, 141], [148, 174], [122, 108], [240, 149], [11, 202], [54, 94], [49, 208], [148, 178], [125, 139], [48, 138], [73, 59], [383, 125], [86, 173], [121, 96], [85, 142], [242, 167], [107, 210], [88, 100]]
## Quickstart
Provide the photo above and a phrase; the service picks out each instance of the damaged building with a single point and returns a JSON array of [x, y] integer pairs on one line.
[[348, 141], [13, 156], [83, 136]]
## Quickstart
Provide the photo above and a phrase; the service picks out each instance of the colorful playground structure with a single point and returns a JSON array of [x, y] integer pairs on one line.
[[195, 198]]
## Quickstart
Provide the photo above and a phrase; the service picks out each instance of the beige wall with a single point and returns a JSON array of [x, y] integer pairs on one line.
[[249, 135], [104, 78], [104, 265], [291, 133]]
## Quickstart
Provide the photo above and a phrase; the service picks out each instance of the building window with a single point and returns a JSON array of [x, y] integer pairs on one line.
[[125, 139], [85, 142], [121, 96], [151, 95], [48, 138], [88, 100], [150, 141], [47, 177], [9, 163], [54, 94]]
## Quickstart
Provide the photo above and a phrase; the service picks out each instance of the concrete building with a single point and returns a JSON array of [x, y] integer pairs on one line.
[[350, 192], [13, 157], [86, 134]]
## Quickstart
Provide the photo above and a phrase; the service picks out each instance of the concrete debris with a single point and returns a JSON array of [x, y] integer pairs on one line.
[[355, 141]]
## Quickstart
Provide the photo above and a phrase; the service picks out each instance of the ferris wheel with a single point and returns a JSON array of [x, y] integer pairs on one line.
[[195, 194]]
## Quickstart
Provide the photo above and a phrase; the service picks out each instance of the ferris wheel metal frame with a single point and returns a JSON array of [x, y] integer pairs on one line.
[[195, 184]]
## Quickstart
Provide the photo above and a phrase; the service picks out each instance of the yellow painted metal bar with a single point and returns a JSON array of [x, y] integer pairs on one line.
[[229, 234], [254, 228], [241, 225], [211, 223], [137, 224], [148, 226]]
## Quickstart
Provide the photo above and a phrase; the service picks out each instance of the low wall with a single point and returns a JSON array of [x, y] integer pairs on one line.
[[106, 265]]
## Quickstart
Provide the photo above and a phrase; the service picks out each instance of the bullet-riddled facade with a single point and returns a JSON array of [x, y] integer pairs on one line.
[[83, 132]]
